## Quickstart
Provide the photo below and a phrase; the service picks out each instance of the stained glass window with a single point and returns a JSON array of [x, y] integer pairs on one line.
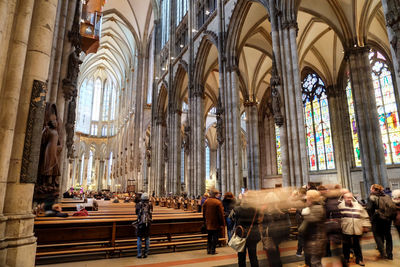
[[182, 165], [89, 168], [207, 162], [353, 125], [106, 101], [181, 10], [317, 124], [109, 170], [164, 22], [85, 106], [386, 107], [278, 149]]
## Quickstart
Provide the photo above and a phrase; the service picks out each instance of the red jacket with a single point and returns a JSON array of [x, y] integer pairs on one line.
[[81, 213]]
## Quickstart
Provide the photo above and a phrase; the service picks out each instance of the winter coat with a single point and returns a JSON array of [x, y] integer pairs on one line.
[[314, 230], [397, 219], [243, 216], [213, 214], [354, 218], [375, 202]]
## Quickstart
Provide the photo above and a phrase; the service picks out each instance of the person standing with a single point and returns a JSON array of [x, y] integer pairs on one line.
[[144, 212], [229, 203], [381, 210], [396, 200], [354, 223], [213, 214], [246, 218], [313, 229]]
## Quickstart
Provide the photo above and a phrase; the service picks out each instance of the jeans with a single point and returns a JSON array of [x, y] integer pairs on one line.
[[352, 241], [212, 240], [381, 230], [229, 226], [252, 249], [139, 246]]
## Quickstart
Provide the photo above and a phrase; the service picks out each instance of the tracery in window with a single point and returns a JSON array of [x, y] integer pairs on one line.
[[181, 10], [386, 106], [106, 102], [317, 124]]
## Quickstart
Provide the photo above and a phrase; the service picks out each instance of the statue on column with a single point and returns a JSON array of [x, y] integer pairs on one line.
[[393, 21], [186, 138], [275, 95], [165, 147], [220, 122], [50, 151]]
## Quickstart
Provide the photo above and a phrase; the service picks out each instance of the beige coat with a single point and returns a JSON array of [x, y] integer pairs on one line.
[[353, 218]]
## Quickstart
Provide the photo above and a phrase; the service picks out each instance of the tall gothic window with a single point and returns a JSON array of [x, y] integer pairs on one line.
[[89, 168], [278, 149], [109, 169], [317, 124], [353, 125], [207, 162], [181, 10], [85, 106], [106, 102], [386, 106], [96, 100], [165, 4], [182, 165], [113, 102]]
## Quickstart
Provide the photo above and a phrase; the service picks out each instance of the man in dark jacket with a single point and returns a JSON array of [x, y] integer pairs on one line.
[[378, 208], [213, 214], [144, 211]]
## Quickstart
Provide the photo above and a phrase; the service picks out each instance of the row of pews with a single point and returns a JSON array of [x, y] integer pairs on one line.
[[108, 232], [185, 204]]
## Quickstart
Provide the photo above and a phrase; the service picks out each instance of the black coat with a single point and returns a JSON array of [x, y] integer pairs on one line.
[[243, 216]]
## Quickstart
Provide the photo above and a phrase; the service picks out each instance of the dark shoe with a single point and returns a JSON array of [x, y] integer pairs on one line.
[[145, 256], [213, 252], [390, 257], [139, 256], [361, 263]]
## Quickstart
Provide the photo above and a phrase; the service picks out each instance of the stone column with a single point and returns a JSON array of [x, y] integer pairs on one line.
[[338, 112], [74, 172], [174, 149], [213, 164], [19, 229], [253, 145], [14, 45], [369, 134], [293, 146], [101, 175]]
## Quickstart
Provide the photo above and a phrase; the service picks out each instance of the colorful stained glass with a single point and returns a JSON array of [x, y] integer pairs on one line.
[[386, 106], [317, 124], [353, 125], [278, 149]]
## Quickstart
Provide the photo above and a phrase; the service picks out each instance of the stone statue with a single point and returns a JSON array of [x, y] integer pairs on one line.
[[275, 95], [50, 151], [148, 155], [70, 125], [186, 138], [165, 147]]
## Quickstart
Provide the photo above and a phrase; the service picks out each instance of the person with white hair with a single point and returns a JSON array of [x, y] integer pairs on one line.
[[355, 221], [396, 200]]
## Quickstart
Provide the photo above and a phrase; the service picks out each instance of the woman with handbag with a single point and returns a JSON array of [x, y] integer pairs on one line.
[[275, 228], [246, 217]]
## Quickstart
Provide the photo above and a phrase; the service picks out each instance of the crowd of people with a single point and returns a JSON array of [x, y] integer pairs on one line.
[[329, 220]]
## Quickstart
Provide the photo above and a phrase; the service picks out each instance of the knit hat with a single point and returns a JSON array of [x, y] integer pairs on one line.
[[145, 196]]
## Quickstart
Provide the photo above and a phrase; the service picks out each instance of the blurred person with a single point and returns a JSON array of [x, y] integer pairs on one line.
[[213, 214], [56, 211], [228, 203], [313, 229], [355, 221], [382, 211], [204, 198], [396, 200], [144, 212], [301, 198], [275, 228], [246, 218]]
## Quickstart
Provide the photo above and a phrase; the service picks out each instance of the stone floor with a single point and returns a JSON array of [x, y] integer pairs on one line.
[[226, 257]]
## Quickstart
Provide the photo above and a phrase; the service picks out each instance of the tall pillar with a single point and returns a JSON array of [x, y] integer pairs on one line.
[[17, 43], [253, 145], [174, 149], [341, 138], [369, 134], [289, 98], [101, 174], [19, 229]]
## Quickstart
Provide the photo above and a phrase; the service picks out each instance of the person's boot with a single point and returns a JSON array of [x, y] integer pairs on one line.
[[208, 249]]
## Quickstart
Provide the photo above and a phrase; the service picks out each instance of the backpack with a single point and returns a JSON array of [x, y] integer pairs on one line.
[[145, 214], [386, 208]]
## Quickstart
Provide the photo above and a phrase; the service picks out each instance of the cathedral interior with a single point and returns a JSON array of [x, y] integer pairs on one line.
[[173, 96]]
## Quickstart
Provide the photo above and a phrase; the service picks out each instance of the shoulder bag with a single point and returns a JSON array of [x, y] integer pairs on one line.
[[237, 242]]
